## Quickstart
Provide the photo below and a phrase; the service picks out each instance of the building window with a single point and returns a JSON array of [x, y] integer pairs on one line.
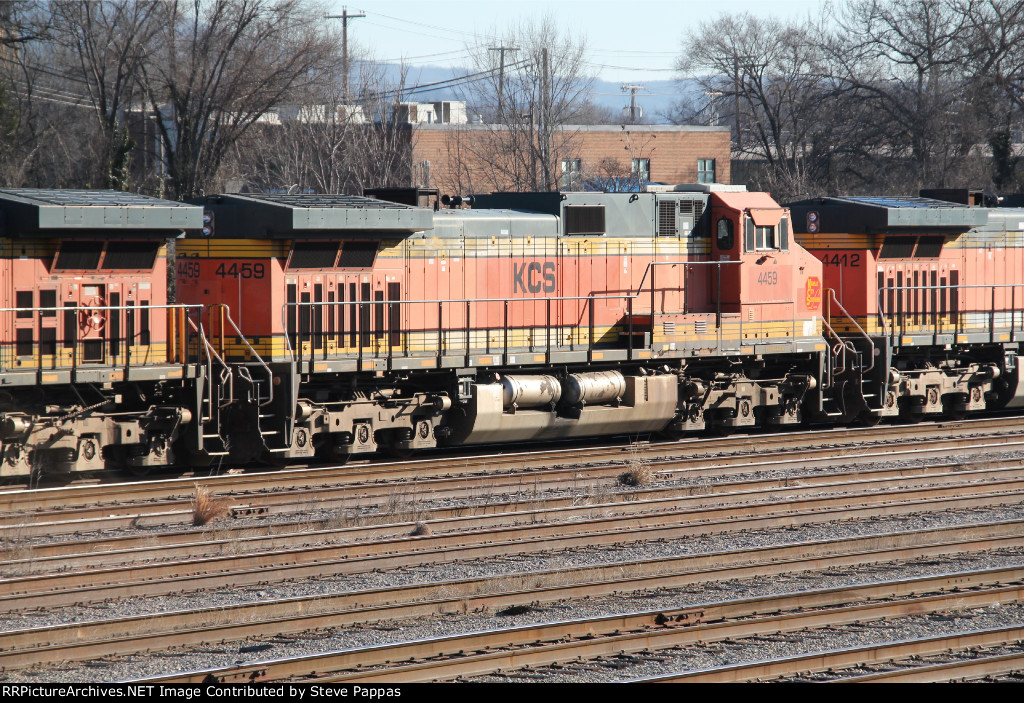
[[705, 170], [571, 169], [641, 169]]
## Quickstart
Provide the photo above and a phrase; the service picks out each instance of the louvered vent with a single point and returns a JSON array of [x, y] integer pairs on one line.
[[79, 255], [356, 255], [313, 255], [698, 213], [700, 326], [670, 328], [131, 255], [584, 219], [667, 218]]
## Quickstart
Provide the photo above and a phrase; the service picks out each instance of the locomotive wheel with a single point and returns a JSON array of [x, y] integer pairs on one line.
[[955, 414], [328, 451]]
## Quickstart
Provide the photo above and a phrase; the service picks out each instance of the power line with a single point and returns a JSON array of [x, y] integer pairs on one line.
[[474, 35], [631, 68], [449, 83], [40, 69], [458, 52]]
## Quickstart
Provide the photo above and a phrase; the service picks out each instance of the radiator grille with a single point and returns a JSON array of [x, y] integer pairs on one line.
[[584, 219], [667, 218]]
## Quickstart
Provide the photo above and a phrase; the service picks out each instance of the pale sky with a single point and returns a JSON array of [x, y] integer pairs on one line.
[[627, 42]]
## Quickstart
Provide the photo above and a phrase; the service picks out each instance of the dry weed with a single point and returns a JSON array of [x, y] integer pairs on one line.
[[638, 470], [206, 508], [636, 476], [422, 529]]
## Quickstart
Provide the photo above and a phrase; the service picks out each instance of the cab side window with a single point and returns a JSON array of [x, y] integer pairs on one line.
[[724, 235]]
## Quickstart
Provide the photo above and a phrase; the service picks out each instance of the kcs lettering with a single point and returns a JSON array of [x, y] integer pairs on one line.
[[533, 278]]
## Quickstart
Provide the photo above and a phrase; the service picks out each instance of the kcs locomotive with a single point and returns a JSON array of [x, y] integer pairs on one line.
[[327, 325]]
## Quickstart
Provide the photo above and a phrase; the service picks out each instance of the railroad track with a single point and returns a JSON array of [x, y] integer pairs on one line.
[[280, 557], [735, 494], [1000, 474], [480, 653], [900, 661], [34, 645], [352, 497], [25, 505]]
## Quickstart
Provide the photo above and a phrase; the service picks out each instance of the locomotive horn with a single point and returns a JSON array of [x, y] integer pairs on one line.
[[455, 201]]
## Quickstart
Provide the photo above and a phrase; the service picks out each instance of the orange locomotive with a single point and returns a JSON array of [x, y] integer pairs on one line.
[[356, 324], [93, 367], [328, 325], [927, 296]]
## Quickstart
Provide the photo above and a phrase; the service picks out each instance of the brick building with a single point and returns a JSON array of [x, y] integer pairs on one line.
[[465, 158]]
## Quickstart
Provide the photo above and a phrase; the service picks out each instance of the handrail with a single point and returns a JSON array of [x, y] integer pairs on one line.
[[226, 312], [210, 354], [828, 301], [291, 316], [36, 312], [883, 313], [652, 264]]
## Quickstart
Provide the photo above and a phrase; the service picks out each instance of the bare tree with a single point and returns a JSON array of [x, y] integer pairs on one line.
[[323, 145], [766, 80], [907, 59], [214, 68], [46, 138], [106, 41], [995, 40], [528, 97]]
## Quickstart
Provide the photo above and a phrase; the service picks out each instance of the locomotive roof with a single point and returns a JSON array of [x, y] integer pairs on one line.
[[28, 211], [281, 215], [887, 214]]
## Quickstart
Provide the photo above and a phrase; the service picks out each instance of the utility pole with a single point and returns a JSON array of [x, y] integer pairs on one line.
[[736, 90], [737, 84], [501, 74], [713, 96], [632, 100], [544, 127], [344, 17]]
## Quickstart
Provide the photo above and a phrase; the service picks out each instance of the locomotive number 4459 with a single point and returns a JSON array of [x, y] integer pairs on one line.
[[240, 270]]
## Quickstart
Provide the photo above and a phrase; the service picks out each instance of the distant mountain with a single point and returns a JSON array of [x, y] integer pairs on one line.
[[655, 100]]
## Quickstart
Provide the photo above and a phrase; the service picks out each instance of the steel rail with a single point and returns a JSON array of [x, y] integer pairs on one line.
[[713, 513], [805, 664], [566, 506], [28, 501], [179, 577], [549, 643], [83, 640], [969, 669], [159, 512]]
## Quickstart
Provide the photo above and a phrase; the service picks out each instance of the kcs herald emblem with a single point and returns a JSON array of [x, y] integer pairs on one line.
[[812, 293]]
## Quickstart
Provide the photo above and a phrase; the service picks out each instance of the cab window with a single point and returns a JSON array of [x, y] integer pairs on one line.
[[724, 234]]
